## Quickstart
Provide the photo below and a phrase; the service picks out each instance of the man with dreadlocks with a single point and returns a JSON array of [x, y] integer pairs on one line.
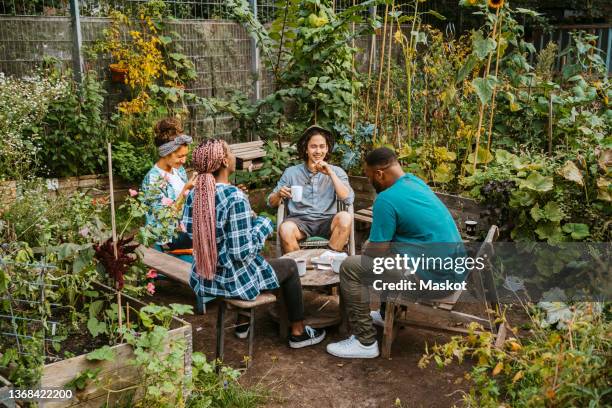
[[323, 184], [227, 240]]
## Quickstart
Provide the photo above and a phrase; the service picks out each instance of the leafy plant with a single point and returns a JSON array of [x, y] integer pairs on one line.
[[549, 368], [25, 103], [132, 162], [74, 130], [353, 146]]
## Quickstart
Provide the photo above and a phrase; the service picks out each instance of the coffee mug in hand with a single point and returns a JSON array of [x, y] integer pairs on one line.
[[296, 193]]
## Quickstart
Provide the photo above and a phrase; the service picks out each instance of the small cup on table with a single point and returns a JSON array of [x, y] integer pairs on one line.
[[301, 265]]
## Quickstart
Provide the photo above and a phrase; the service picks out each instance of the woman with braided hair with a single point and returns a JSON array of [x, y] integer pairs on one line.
[[227, 240]]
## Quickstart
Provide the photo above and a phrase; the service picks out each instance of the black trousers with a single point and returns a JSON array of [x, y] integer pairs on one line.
[[289, 280]]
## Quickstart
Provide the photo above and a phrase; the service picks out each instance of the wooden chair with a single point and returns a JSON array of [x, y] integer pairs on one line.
[[246, 308], [315, 242], [439, 314]]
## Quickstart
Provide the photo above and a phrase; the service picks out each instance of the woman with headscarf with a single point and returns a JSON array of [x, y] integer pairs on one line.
[[227, 240], [166, 183]]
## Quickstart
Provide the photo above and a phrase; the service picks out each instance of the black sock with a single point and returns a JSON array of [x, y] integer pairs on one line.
[[368, 344]]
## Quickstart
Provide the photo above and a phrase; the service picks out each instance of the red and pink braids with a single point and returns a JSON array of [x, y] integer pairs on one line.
[[207, 158]]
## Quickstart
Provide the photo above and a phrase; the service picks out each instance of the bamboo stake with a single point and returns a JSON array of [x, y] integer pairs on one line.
[[366, 113], [380, 72], [482, 106], [550, 122], [389, 52], [409, 72], [491, 117], [113, 221], [353, 74]]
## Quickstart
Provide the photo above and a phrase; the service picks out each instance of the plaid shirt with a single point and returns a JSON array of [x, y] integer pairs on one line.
[[241, 271]]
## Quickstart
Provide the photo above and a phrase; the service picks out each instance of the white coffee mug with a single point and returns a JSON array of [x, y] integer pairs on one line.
[[301, 265], [296, 193]]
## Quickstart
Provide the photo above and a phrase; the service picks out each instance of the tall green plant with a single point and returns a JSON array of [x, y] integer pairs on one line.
[[308, 49]]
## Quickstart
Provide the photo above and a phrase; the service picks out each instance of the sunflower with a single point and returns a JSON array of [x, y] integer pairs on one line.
[[496, 4]]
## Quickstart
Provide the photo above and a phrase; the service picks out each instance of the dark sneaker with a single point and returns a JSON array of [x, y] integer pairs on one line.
[[310, 337], [242, 331]]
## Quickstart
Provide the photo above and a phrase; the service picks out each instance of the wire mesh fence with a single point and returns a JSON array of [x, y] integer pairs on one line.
[[182, 9]]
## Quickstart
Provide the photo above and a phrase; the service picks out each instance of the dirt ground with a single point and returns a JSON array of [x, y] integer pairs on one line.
[[310, 377]]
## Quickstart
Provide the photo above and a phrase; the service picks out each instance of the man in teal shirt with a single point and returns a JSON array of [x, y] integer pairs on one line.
[[407, 219]]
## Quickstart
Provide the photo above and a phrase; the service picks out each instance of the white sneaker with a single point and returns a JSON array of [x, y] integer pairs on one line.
[[352, 348], [377, 319]]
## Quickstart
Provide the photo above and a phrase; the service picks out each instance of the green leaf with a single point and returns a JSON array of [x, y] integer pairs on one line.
[[95, 327], [537, 182], [467, 68], [550, 212], [549, 231], [571, 172], [444, 173], [181, 309], [95, 307], [103, 353], [164, 39], [484, 156], [577, 231], [484, 89], [504, 157], [482, 46], [436, 14]]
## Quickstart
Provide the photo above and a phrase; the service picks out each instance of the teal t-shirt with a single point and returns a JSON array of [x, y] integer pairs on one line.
[[411, 215]]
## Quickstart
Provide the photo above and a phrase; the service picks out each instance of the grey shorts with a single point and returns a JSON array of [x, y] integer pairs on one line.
[[313, 228]]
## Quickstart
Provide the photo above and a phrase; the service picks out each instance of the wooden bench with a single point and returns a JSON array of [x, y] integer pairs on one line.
[[249, 155], [174, 269]]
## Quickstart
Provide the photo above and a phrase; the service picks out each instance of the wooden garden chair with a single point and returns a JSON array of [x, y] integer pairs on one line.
[[315, 242], [439, 314]]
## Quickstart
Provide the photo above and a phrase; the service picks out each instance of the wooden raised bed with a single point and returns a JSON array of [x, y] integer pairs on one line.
[[5, 388], [116, 374], [96, 185]]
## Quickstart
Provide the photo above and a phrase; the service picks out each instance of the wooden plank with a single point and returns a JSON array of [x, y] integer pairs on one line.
[[435, 318], [246, 149], [255, 143], [251, 154], [363, 218], [171, 267]]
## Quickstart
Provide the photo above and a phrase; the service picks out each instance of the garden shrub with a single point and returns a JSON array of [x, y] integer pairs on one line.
[[25, 101], [565, 367], [131, 162], [74, 130]]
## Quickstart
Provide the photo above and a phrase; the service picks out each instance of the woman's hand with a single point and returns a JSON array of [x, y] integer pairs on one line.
[[191, 183]]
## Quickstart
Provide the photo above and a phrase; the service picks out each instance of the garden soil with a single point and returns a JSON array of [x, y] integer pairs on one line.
[[311, 378]]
